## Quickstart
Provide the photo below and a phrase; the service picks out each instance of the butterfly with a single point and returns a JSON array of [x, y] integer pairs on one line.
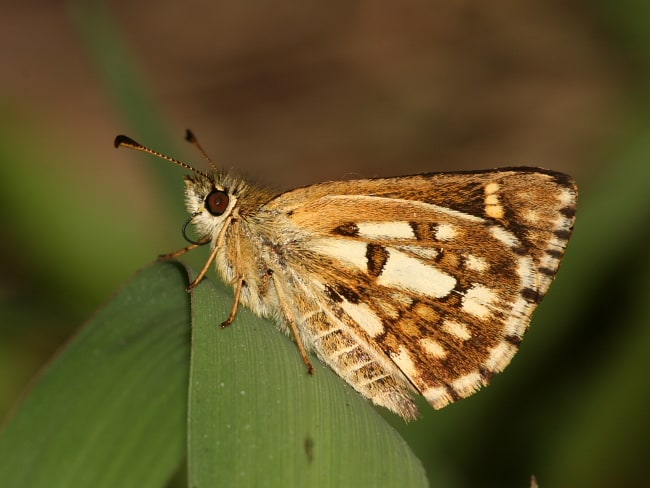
[[412, 284]]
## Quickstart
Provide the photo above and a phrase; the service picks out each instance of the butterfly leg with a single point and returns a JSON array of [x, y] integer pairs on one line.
[[212, 256], [180, 252], [301, 347], [292, 324], [204, 270], [235, 305]]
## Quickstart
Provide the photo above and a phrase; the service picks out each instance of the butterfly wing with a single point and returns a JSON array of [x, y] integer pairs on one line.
[[429, 281]]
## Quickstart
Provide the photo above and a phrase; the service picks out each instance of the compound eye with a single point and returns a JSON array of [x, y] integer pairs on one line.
[[217, 202]]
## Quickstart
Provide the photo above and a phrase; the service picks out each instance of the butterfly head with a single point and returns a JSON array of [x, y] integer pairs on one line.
[[210, 198], [211, 201]]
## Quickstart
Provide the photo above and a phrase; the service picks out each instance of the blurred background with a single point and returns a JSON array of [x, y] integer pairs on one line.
[[295, 93]]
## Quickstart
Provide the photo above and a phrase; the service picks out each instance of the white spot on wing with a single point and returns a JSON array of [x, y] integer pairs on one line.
[[386, 230], [348, 251], [363, 315], [456, 329], [494, 211], [423, 252], [493, 207], [492, 199], [402, 298], [520, 310], [500, 234], [438, 397], [500, 356], [556, 243], [433, 348], [479, 301], [566, 198], [491, 188], [403, 271], [517, 322], [549, 262], [530, 215], [468, 384], [476, 263], [404, 362], [527, 272], [445, 232]]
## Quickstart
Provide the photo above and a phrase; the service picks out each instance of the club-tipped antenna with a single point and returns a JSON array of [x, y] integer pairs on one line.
[[131, 144], [191, 138]]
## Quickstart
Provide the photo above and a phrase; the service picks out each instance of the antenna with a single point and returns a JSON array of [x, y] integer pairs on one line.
[[124, 141], [191, 138]]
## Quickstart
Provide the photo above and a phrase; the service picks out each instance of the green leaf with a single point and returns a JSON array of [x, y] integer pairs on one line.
[[111, 409], [258, 419]]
